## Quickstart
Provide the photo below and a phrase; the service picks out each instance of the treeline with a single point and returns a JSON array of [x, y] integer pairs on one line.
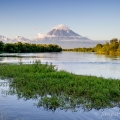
[[112, 47], [80, 49], [27, 47]]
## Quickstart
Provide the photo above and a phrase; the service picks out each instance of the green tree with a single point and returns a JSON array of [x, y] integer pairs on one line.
[[118, 50], [113, 47], [114, 40], [98, 48], [1, 46]]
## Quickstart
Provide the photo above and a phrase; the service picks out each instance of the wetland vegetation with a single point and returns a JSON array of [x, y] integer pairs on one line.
[[60, 89]]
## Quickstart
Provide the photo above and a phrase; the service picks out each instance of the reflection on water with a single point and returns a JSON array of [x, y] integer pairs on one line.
[[15, 107], [79, 63], [1, 58]]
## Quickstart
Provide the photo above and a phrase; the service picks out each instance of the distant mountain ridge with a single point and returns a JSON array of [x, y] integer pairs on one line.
[[20, 39], [17, 39], [60, 35], [4, 39]]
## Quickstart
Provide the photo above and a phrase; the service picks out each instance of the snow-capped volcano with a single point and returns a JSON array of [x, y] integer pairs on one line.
[[61, 32]]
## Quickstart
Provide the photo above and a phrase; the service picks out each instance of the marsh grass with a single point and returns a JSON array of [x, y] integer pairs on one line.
[[60, 89]]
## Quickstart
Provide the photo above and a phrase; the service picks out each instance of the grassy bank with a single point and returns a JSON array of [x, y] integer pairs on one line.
[[60, 89]]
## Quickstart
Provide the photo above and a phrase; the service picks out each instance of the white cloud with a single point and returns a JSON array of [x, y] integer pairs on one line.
[[40, 35], [61, 27]]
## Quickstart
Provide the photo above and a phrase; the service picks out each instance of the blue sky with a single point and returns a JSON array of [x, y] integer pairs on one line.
[[95, 19]]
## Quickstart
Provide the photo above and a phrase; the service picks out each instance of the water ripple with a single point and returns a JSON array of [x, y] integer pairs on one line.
[[118, 63]]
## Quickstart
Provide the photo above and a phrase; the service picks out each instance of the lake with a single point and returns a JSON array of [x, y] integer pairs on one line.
[[12, 108], [75, 62]]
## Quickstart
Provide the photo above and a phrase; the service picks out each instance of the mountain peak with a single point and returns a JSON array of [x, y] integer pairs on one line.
[[61, 27], [62, 31]]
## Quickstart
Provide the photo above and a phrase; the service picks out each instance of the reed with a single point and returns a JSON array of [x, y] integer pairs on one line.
[[60, 89]]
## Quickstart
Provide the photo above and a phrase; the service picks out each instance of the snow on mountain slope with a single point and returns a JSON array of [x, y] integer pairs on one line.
[[17, 39], [4, 39], [61, 32], [20, 39]]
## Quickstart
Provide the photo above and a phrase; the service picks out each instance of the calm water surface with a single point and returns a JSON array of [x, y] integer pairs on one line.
[[76, 62], [12, 108]]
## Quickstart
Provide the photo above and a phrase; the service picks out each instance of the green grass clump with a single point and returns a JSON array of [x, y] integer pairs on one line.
[[60, 89]]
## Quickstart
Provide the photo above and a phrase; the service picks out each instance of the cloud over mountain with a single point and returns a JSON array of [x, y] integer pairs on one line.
[[42, 36]]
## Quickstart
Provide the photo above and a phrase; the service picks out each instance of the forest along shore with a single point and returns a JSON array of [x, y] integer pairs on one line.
[[28, 48], [109, 48]]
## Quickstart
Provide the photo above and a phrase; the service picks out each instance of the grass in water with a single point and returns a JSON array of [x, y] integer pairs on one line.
[[60, 89]]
